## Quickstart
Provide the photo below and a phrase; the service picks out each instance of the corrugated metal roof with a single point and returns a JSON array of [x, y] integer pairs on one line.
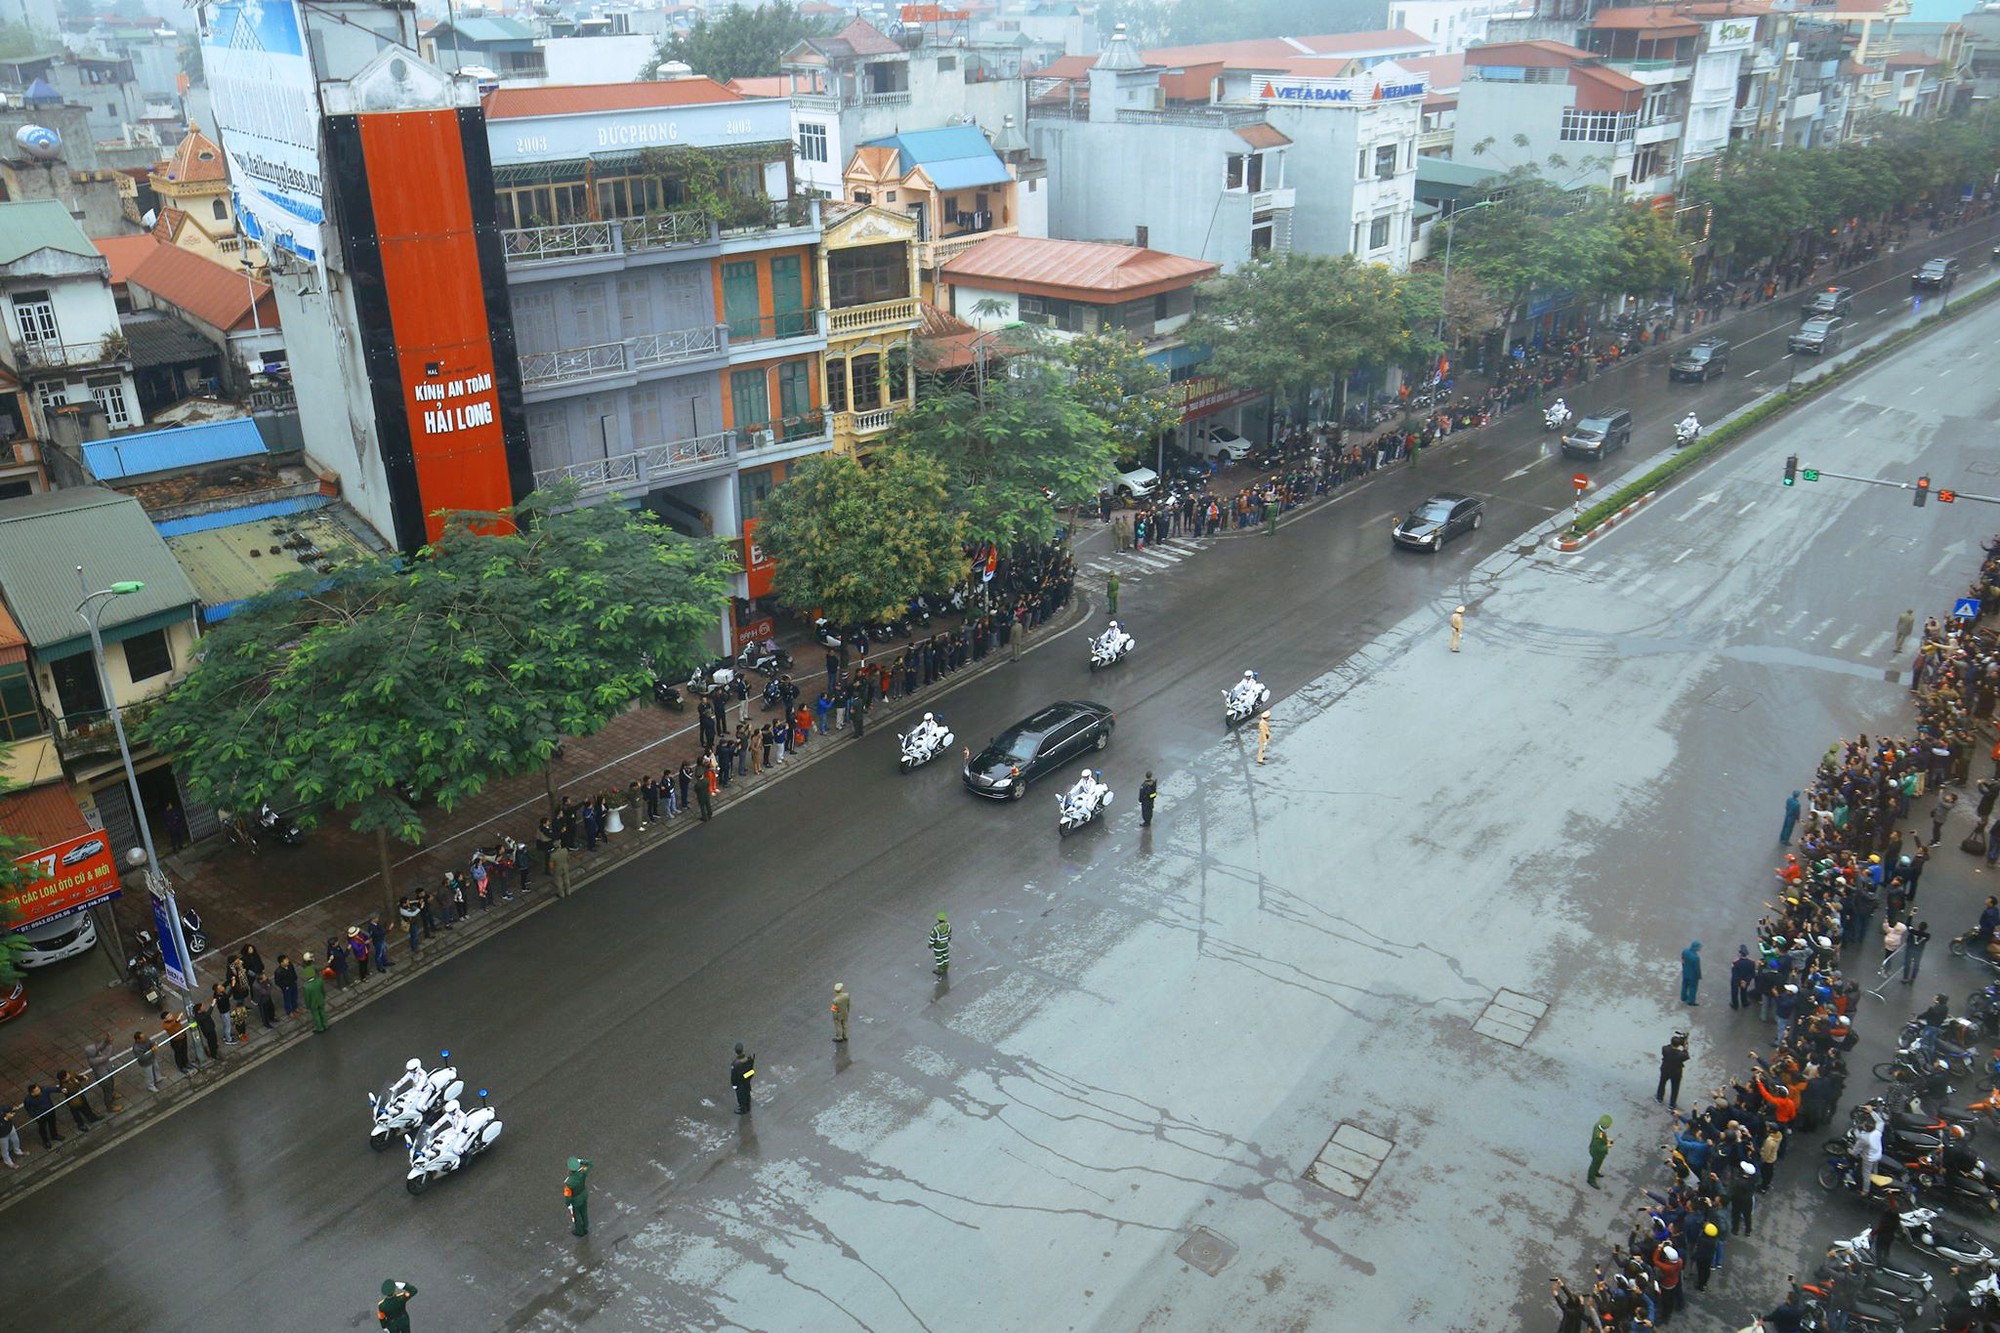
[[575, 99], [483, 30], [42, 816], [165, 342], [955, 158], [29, 225], [127, 456], [1267, 52], [124, 253], [1116, 272], [110, 536], [233, 563], [211, 292]]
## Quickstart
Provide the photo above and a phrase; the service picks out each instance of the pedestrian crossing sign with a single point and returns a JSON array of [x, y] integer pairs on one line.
[[1965, 608]]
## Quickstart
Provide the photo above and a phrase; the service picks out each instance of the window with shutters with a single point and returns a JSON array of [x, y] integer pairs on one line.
[[867, 382], [592, 313], [20, 715], [648, 420], [836, 384], [35, 316], [109, 391], [812, 141], [635, 305]]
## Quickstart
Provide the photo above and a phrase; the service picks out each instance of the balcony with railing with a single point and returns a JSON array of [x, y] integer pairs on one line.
[[82, 735], [628, 356], [784, 436], [33, 357], [874, 316], [850, 428], [637, 472], [612, 236], [752, 338], [936, 254], [1263, 201]]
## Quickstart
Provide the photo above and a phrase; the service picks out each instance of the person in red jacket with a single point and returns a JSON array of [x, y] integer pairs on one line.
[[1667, 1264]]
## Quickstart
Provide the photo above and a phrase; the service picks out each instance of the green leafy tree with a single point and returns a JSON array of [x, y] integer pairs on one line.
[[1110, 375], [1297, 322], [1000, 450], [858, 542], [1537, 239], [191, 61], [350, 692], [1647, 258], [18, 40], [739, 42]]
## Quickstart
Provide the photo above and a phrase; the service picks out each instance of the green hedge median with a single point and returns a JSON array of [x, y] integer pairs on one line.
[[1726, 434]]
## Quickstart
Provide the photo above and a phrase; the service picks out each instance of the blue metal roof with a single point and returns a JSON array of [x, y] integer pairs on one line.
[[955, 158], [170, 450], [1179, 357]]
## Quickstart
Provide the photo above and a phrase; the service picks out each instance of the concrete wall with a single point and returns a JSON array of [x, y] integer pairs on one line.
[[338, 421], [587, 426], [607, 59], [1107, 179], [1322, 166]]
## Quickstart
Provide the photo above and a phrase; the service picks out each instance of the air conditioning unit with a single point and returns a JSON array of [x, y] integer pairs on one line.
[[765, 439]]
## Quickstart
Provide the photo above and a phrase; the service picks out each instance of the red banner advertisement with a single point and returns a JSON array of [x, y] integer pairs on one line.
[[65, 878], [760, 571]]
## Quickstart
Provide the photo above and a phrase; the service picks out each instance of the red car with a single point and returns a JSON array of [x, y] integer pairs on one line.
[[14, 1002]]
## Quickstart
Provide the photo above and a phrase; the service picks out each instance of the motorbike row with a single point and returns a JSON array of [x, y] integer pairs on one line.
[[1558, 415], [421, 1105], [1927, 1158]]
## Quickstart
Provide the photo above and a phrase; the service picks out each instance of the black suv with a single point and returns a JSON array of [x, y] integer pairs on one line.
[[1935, 275], [1709, 356], [1828, 301], [1818, 336]]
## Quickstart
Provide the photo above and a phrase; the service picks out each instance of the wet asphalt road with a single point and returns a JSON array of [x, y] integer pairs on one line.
[[1144, 1034]]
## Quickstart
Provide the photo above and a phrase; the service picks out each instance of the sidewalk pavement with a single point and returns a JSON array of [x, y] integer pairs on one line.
[[290, 900]]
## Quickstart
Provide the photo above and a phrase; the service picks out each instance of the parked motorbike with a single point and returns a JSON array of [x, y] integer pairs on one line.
[[142, 970], [824, 634], [1909, 1293], [712, 679], [765, 658], [773, 695], [1240, 703], [923, 742], [1073, 812], [1928, 1232], [279, 828], [667, 696], [455, 1138], [1969, 945], [191, 931], [1110, 647], [1686, 431], [1983, 1007], [1556, 415], [1842, 1171], [410, 1101], [1867, 1308], [1859, 1251]]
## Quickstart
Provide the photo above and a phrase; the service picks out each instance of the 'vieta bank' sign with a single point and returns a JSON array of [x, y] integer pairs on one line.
[[1352, 92]]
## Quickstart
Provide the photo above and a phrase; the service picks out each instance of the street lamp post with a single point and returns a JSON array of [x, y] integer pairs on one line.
[[91, 608], [1448, 230]]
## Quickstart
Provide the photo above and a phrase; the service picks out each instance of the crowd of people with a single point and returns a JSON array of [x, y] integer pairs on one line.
[[1863, 830]]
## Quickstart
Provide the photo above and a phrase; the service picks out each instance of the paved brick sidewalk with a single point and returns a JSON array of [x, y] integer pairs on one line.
[[290, 900]]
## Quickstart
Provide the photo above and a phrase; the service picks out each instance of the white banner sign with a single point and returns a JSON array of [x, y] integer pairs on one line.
[[266, 104]]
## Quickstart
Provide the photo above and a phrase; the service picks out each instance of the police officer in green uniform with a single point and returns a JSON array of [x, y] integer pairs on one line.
[[392, 1311], [576, 1193], [313, 988], [941, 945]]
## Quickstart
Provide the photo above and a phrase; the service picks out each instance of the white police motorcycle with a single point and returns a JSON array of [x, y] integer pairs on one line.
[[1082, 803], [453, 1139], [1686, 431], [409, 1102], [1244, 699], [1556, 415], [924, 742], [1111, 646]]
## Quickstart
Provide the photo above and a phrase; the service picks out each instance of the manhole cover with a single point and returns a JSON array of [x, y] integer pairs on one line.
[[1207, 1251], [1730, 699], [1511, 1018], [1349, 1161]]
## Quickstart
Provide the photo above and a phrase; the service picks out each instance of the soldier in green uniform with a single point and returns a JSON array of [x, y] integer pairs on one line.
[[941, 945], [1600, 1145], [313, 988], [392, 1311], [576, 1192], [839, 1011]]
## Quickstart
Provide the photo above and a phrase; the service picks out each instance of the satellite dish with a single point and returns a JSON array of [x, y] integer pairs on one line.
[[39, 142]]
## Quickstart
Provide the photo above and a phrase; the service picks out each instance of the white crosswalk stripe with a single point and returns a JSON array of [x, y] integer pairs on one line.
[[1154, 559]]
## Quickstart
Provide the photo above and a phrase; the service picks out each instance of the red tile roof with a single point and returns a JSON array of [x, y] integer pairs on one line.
[[210, 292], [1663, 21], [573, 99], [42, 816], [1083, 269], [125, 253], [196, 161], [761, 85], [13, 643]]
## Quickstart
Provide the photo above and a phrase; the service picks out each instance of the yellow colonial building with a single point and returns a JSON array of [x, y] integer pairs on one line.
[[868, 270]]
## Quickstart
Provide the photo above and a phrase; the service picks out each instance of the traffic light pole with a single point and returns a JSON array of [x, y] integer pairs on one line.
[[1922, 485]]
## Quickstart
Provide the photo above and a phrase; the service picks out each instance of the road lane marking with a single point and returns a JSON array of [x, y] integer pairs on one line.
[[1523, 471], [1876, 644], [1853, 432], [1379, 517], [1746, 509], [1844, 640], [1708, 499], [1682, 556]]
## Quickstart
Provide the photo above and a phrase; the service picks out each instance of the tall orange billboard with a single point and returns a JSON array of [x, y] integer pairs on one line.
[[421, 242]]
